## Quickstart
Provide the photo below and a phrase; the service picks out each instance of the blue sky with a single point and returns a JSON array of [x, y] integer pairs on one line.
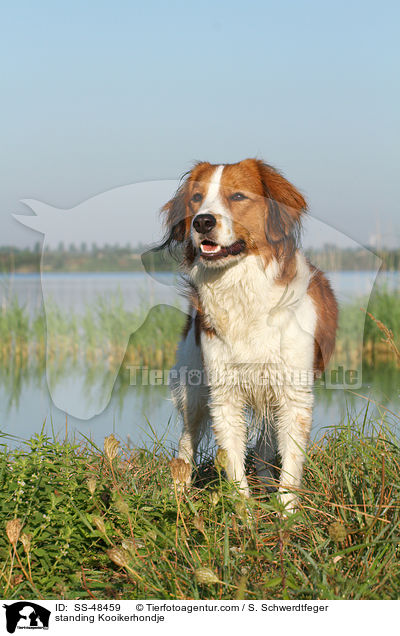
[[101, 94]]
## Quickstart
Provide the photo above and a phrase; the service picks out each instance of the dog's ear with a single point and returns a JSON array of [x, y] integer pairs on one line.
[[285, 208], [176, 218]]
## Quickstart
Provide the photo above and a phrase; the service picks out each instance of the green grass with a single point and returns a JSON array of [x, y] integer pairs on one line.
[[95, 527]]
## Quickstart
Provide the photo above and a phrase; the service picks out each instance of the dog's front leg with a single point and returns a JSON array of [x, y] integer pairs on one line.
[[293, 421], [227, 412]]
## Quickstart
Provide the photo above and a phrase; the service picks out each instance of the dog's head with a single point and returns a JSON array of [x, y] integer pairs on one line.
[[223, 212]]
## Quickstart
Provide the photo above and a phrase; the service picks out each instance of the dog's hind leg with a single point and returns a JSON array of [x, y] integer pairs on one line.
[[190, 395], [265, 457], [195, 416]]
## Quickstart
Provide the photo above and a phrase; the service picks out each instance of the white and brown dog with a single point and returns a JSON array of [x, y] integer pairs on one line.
[[262, 319]]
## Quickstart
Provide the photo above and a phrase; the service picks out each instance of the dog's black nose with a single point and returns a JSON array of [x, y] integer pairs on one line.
[[204, 223]]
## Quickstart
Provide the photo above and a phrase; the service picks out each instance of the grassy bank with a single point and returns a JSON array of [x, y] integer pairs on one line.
[[80, 522]]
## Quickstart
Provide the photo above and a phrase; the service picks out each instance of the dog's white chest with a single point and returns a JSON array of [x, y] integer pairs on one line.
[[255, 319]]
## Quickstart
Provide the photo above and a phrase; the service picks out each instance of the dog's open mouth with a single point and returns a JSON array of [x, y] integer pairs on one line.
[[211, 250]]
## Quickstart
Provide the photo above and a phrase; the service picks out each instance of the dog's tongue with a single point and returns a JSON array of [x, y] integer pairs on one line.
[[210, 248]]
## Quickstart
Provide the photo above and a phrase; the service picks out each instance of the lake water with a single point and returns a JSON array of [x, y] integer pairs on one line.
[[140, 413], [74, 291]]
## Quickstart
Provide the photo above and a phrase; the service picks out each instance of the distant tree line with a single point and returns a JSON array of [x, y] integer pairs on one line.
[[332, 258], [84, 258], [116, 258]]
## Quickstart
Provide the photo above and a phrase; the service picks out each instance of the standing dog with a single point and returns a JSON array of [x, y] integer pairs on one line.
[[262, 319]]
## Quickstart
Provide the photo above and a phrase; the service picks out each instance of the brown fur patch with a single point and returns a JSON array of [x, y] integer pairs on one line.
[[269, 218], [326, 306], [202, 326], [200, 322]]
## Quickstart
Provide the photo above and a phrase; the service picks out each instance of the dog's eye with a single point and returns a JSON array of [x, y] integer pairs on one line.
[[197, 197], [237, 196]]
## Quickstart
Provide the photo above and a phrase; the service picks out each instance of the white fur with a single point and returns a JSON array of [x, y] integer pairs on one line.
[[260, 357], [213, 203], [213, 192]]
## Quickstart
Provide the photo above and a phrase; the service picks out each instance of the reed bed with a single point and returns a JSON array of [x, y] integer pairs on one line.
[[98, 340], [357, 318], [99, 333]]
